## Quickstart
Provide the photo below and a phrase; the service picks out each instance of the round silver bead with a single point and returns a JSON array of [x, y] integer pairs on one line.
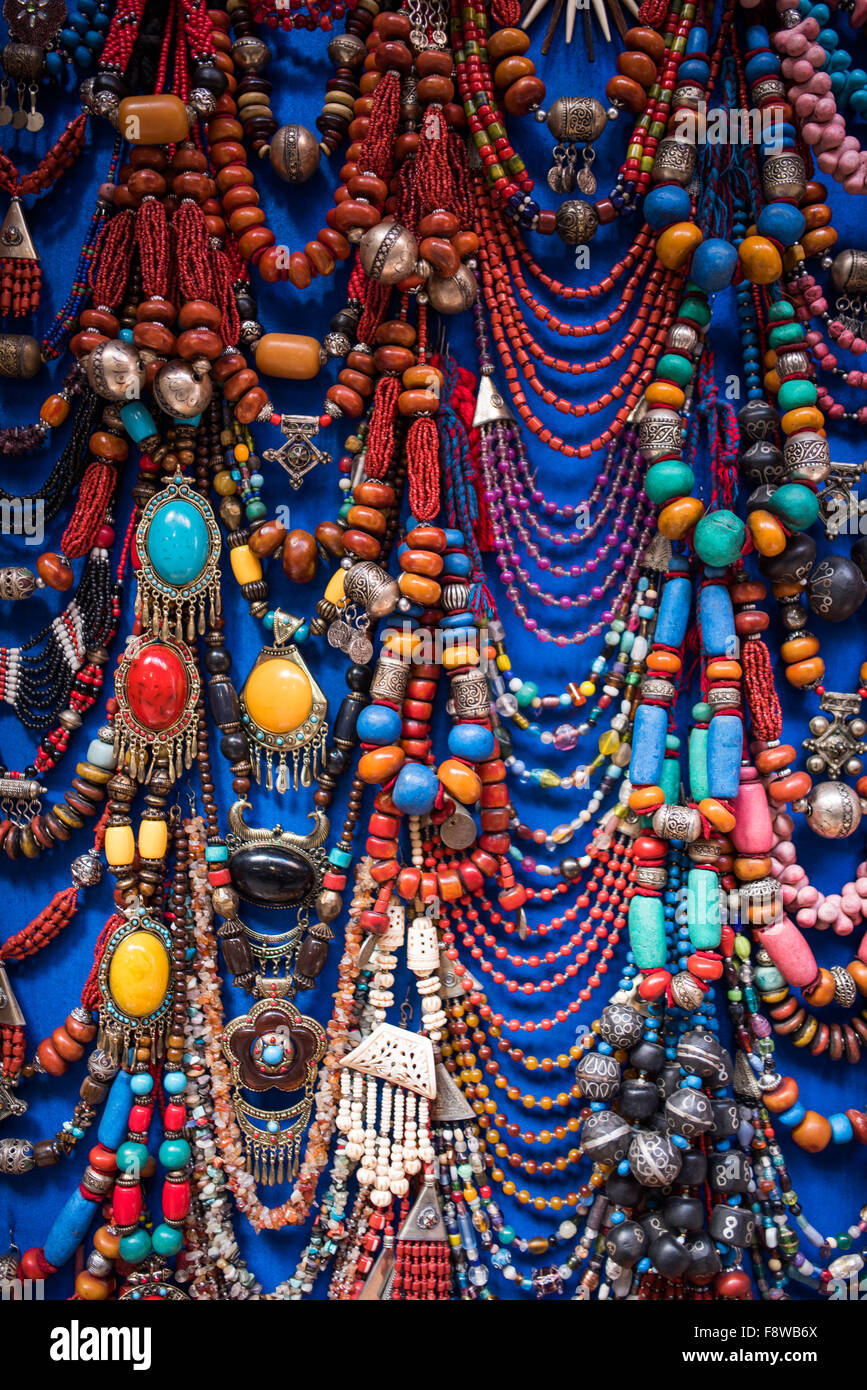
[[576, 120], [388, 253], [180, 390], [454, 294], [845, 989], [115, 370], [576, 222], [834, 810]]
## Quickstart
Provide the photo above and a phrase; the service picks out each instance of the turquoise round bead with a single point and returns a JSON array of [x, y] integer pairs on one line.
[[667, 480], [142, 1084], [719, 537], [174, 1082], [797, 506], [178, 542], [174, 1153], [672, 367], [793, 394], [131, 1157], [135, 1248], [166, 1240]]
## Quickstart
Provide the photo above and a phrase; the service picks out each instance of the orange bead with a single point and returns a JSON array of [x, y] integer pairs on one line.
[[717, 813], [750, 870], [677, 518], [790, 788], [460, 781], [821, 993], [646, 799], [664, 661], [379, 765], [813, 1134], [419, 589], [803, 417], [676, 244], [90, 1288], [775, 759], [804, 673], [783, 1098], [722, 670], [54, 411], [799, 648], [769, 538], [665, 393], [761, 261]]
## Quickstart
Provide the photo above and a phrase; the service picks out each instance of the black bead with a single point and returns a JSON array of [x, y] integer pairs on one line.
[[836, 588], [209, 77], [217, 661], [684, 1213], [626, 1243], [693, 1168], [623, 1191], [234, 746], [110, 82], [638, 1099], [669, 1257], [358, 678], [795, 563], [647, 1056]]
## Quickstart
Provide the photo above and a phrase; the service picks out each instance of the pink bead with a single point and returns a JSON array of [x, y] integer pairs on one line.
[[785, 851], [844, 926], [784, 826], [805, 105], [788, 949], [753, 832], [802, 69], [806, 917], [808, 896], [825, 108]]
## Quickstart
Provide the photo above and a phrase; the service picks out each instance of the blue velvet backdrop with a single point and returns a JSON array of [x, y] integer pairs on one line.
[[832, 1186]]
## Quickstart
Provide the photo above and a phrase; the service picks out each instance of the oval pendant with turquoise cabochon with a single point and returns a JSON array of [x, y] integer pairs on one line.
[[178, 542]]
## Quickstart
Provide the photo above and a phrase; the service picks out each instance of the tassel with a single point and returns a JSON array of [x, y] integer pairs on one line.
[[12, 1050], [96, 490], [90, 998], [192, 253], [379, 451], [765, 712], [109, 272], [20, 272], [422, 454]]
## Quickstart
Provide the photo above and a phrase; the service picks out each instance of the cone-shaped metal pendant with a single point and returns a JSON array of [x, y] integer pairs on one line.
[[490, 405], [16, 243]]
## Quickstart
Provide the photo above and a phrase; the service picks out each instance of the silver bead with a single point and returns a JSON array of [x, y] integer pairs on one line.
[[346, 51], [180, 390], [849, 272], [16, 1156], [369, 585], [101, 1066], [454, 294], [251, 331], [115, 370], [657, 688], [294, 153], [86, 870], [834, 810], [388, 253], [677, 823], [660, 434], [576, 120], [203, 102], [674, 162], [682, 338], [845, 989], [688, 96], [784, 176], [336, 344], [455, 597], [576, 222], [329, 904], [250, 54], [807, 457]]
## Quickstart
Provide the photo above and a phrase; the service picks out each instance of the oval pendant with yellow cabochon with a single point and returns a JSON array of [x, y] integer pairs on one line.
[[135, 982], [138, 976], [284, 713]]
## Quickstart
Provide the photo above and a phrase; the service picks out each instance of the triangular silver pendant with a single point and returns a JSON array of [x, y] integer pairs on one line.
[[745, 1085], [490, 405], [10, 1014], [425, 1221], [377, 1286], [285, 626], [16, 243], [449, 1106]]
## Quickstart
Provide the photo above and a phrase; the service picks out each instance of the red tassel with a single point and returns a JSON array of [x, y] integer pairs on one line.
[[423, 468], [12, 1050], [95, 493], [379, 451], [44, 927], [90, 994]]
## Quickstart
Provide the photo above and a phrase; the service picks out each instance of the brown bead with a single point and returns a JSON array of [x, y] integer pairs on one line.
[[818, 215], [154, 336], [361, 544], [290, 356], [439, 89], [395, 56], [637, 66], [818, 242], [503, 43], [56, 573], [267, 538], [249, 406], [228, 365], [371, 493], [804, 673], [347, 400], [392, 359], [54, 411], [367, 518], [813, 1133], [622, 91], [434, 63], [439, 224], [108, 446], [192, 185], [441, 255], [50, 1059], [523, 95], [647, 40], [319, 257], [425, 562], [397, 332], [511, 69], [199, 342], [233, 174], [465, 243], [300, 271], [240, 196], [67, 1047], [76, 1028], [334, 242], [244, 218], [353, 214], [299, 557], [255, 240], [814, 192], [427, 538], [417, 402], [237, 385], [330, 536]]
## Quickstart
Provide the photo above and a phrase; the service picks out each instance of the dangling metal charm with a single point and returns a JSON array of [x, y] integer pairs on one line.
[[299, 455], [178, 544], [284, 713], [157, 689], [273, 1047]]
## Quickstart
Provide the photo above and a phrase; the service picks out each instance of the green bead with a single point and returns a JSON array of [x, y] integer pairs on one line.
[[793, 394], [672, 742], [696, 310], [699, 786], [647, 932], [796, 506], [742, 947], [131, 1157], [135, 1248], [701, 712], [703, 909], [784, 334], [174, 1153], [672, 367], [782, 311], [527, 694], [548, 779], [166, 1240], [719, 538], [669, 781], [667, 480]]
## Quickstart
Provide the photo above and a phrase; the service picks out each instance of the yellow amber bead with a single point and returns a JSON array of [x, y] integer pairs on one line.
[[119, 845], [460, 781], [153, 837], [278, 696], [761, 261], [245, 565], [679, 517], [138, 976], [769, 538], [224, 483], [460, 655], [803, 417], [242, 453], [334, 588], [609, 742], [153, 120], [289, 355], [503, 663], [402, 644], [676, 244]]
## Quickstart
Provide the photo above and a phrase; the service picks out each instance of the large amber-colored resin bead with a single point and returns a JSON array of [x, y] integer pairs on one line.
[[813, 1133], [679, 517], [769, 538], [760, 259], [278, 696], [803, 673], [460, 781], [152, 839], [119, 845], [676, 244], [291, 356], [138, 976], [153, 120], [246, 567]]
